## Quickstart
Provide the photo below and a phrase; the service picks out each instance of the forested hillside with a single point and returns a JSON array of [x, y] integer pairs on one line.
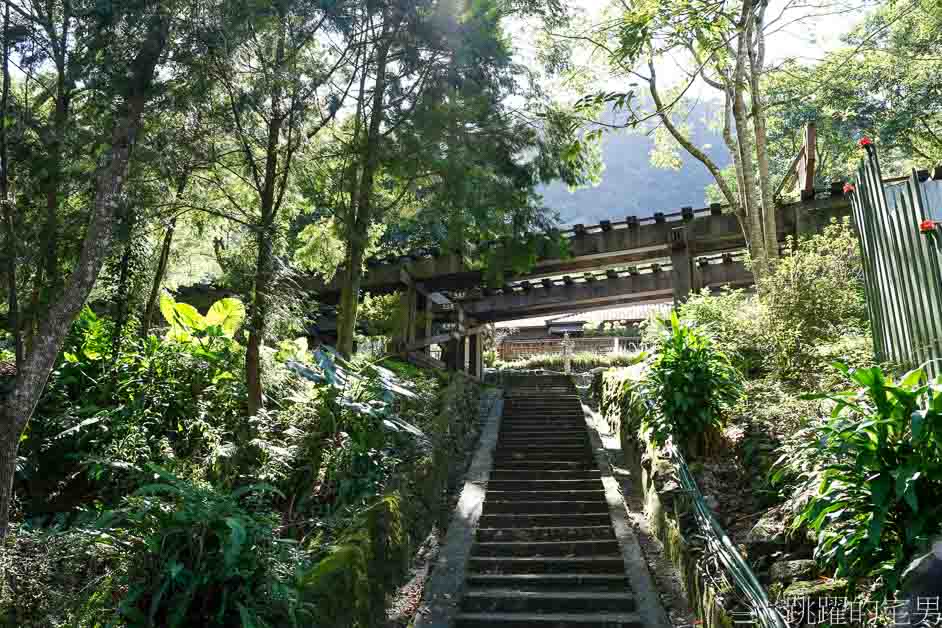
[[631, 185]]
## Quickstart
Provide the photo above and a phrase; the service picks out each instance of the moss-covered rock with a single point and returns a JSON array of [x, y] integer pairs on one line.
[[788, 571], [816, 589]]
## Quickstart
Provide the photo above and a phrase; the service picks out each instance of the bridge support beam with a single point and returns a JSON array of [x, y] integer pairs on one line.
[[681, 265]]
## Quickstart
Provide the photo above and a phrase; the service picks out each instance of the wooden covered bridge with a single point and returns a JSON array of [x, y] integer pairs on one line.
[[639, 260]]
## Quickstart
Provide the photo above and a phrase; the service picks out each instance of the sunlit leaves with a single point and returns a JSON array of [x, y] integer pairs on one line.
[[187, 324]]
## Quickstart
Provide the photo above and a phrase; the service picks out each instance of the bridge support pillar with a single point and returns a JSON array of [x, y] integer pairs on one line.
[[457, 349], [475, 356], [681, 265]]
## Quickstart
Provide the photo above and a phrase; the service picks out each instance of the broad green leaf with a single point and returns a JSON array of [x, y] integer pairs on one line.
[[881, 490], [228, 313], [167, 304], [236, 540], [188, 316], [918, 421], [911, 379]]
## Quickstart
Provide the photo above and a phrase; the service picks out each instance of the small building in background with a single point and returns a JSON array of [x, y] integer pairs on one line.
[[597, 331]]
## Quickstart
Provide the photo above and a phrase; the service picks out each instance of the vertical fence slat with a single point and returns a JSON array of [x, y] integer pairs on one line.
[[902, 270], [900, 274], [871, 182], [911, 255]]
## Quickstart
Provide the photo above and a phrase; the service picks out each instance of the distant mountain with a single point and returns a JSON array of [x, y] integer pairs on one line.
[[632, 186]]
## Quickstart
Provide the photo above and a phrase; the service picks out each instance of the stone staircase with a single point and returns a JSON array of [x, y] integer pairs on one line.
[[545, 553]]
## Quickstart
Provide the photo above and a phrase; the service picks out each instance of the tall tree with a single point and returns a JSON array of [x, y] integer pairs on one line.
[[133, 38], [433, 132], [277, 88], [719, 45]]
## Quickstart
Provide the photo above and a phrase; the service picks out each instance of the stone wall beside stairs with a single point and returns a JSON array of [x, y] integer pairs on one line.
[[669, 511]]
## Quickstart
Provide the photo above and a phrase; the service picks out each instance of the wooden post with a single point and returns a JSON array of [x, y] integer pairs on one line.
[[457, 347], [474, 351], [412, 303], [806, 164], [681, 267], [419, 324], [429, 318]]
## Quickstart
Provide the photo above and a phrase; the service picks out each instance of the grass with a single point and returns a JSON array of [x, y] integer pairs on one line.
[[583, 361]]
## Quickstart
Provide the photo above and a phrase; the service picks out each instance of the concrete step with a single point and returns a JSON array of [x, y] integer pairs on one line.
[[546, 564], [542, 431], [544, 442], [543, 413], [523, 473], [517, 601], [541, 417], [590, 547], [541, 454], [545, 507], [554, 620], [552, 582], [546, 465], [546, 496], [543, 428], [529, 450], [558, 533], [545, 485], [543, 520]]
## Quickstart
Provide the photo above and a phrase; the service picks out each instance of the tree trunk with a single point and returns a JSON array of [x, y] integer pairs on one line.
[[151, 306], [362, 205], [253, 366], [121, 298], [757, 62], [162, 262], [59, 123], [349, 297], [746, 144], [7, 211], [9, 444], [264, 263], [19, 406]]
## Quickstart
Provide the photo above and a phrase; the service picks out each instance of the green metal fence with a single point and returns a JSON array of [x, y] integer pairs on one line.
[[902, 267]]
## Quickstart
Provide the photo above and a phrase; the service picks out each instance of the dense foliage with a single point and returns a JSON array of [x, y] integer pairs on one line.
[[691, 385], [142, 466], [812, 300], [869, 480]]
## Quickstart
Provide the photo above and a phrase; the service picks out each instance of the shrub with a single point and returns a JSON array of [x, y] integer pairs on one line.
[[691, 384], [164, 401], [815, 293], [199, 556], [733, 320], [56, 578], [871, 477], [348, 585]]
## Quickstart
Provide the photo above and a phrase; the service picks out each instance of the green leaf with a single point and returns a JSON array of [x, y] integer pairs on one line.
[[918, 419], [167, 304], [881, 490], [188, 316], [228, 313], [911, 379], [236, 540], [876, 529]]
